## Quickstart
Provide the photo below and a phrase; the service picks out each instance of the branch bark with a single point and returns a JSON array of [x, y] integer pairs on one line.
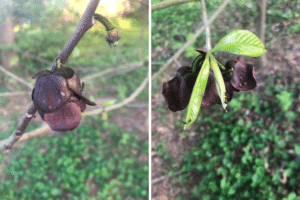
[[206, 25], [85, 23]]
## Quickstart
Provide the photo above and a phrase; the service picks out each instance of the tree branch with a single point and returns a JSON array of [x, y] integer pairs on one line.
[[7, 94], [24, 122], [119, 105], [127, 67], [85, 23], [15, 77], [188, 43], [206, 25], [166, 4]]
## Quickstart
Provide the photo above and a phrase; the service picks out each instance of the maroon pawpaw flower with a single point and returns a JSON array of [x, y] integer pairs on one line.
[[237, 76], [177, 92], [243, 77], [58, 98], [211, 96]]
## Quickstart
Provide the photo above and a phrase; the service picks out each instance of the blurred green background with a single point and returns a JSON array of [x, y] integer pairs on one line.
[[252, 150], [106, 157]]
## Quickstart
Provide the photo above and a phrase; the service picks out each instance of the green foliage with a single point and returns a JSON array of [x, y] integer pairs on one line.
[[82, 164], [198, 92], [285, 100], [219, 80], [239, 158], [241, 42]]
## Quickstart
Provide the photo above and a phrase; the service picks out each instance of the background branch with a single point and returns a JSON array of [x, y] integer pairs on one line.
[[166, 4], [119, 105], [7, 94], [85, 23], [188, 43], [20, 80], [127, 67]]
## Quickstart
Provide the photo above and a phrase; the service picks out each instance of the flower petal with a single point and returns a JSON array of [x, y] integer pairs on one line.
[[243, 77], [65, 119], [50, 93], [177, 92], [211, 96], [74, 85]]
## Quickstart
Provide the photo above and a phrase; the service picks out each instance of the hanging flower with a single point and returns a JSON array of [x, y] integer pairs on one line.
[[58, 98], [243, 77], [237, 76], [177, 92]]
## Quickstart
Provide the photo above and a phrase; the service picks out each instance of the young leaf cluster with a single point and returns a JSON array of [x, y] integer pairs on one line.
[[241, 42]]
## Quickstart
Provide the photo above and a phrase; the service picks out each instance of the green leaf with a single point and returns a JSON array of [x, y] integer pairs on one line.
[[198, 92], [241, 42], [219, 80]]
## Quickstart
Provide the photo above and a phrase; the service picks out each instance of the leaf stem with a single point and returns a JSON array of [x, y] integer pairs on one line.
[[206, 25], [104, 21]]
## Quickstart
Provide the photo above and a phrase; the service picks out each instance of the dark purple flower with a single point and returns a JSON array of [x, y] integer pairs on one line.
[[243, 77], [237, 76], [211, 96], [177, 92], [58, 98]]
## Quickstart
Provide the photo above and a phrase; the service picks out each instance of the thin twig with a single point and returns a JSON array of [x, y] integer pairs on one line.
[[206, 25], [16, 77], [8, 94], [130, 66], [118, 105], [161, 178], [188, 43], [166, 4]]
